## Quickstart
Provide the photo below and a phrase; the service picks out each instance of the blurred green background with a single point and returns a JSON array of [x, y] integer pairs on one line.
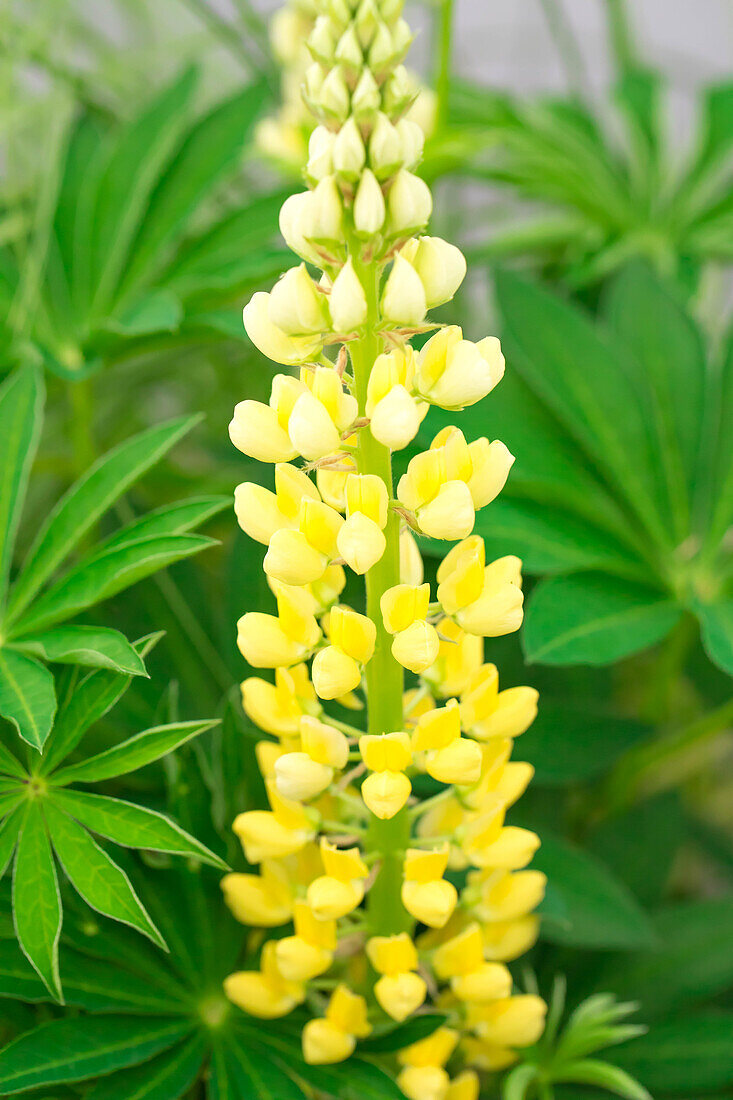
[[590, 188]]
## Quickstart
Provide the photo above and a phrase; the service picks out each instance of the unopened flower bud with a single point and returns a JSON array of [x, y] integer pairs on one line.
[[347, 303], [255, 430], [385, 148], [369, 207], [365, 99], [403, 298], [409, 203], [348, 51], [296, 306], [441, 267], [349, 154], [324, 215], [320, 153], [300, 778], [381, 50], [396, 418], [320, 41], [270, 339], [333, 98], [413, 139]]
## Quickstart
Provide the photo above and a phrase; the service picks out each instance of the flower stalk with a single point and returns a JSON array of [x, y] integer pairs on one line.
[[436, 898]]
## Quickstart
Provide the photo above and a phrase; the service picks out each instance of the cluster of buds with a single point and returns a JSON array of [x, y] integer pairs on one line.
[[385, 843], [301, 34]]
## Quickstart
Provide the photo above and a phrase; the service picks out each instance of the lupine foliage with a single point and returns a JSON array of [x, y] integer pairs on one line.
[[630, 793]]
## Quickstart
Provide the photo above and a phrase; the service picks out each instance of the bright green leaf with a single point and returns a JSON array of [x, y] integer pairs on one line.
[[591, 618], [96, 646], [95, 877], [76, 1048], [21, 404], [9, 763], [36, 900], [9, 832], [156, 311], [88, 499], [104, 575], [90, 701], [134, 753], [605, 1076], [416, 1028], [93, 984], [27, 696], [165, 1077], [716, 624], [133, 826], [172, 519], [259, 1077]]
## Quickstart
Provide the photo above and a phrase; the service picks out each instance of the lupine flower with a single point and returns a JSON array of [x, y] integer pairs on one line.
[[348, 852]]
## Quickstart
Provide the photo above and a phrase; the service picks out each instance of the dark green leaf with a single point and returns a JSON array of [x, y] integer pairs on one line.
[[131, 174], [257, 1077], [36, 899], [594, 619], [97, 986], [104, 575], [27, 696], [21, 405], [668, 348], [692, 960], [571, 743], [691, 1053], [97, 646], [172, 519], [645, 868], [134, 753], [95, 877], [597, 910], [90, 700], [166, 1077], [107, 480], [9, 763], [638, 94], [578, 374], [414, 1029], [357, 1080], [156, 311], [210, 150], [77, 1048], [716, 624], [133, 826]]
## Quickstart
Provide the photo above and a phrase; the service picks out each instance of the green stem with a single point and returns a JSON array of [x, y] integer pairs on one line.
[[443, 74], [384, 676], [622, 43], [567, 47], [81, 400]]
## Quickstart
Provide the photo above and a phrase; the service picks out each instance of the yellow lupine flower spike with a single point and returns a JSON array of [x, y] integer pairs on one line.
[[347, 850]]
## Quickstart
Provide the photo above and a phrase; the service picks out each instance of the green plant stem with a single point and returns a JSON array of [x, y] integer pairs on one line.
[[622, 42], [567, 47], [657, 766], [443, 66], [81, 401], [384, 676]]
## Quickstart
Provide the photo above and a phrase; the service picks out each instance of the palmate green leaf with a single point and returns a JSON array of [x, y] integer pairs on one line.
[[716, 623], [580, 376], [668, 349], [27, 696], [597, 910], [695, 1052], [134, 167], [605, 1076], [92, 984], [77, 1048], [21, 404], [165, 1077], [36, 899], [95, 877], [133, 826], [255, 1076], [155, 311], [88, 499], [692, 960], [9, 832], [591, 618], [9, 763], [132, 754], [171, 519], [209, 151], [89, 701], [96, 646], [102, 576]]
